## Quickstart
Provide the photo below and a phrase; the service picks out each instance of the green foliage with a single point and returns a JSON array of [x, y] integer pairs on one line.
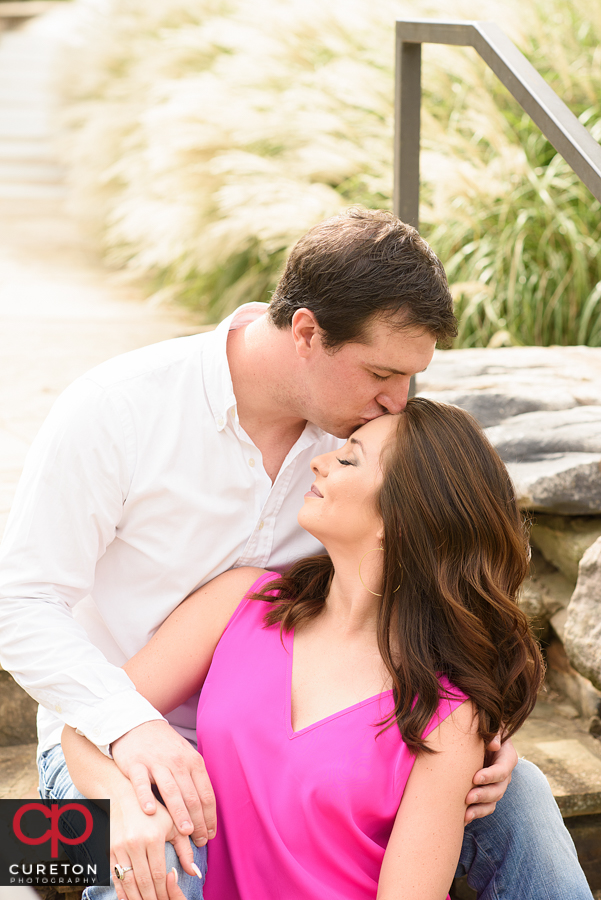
[[208, 135], [526, 266]]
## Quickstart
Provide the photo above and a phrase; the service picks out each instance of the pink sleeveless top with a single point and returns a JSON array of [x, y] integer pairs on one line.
[[300, 815]]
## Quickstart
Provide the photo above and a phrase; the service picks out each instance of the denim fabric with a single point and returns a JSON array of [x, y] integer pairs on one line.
[[523, 850], [56, 784]]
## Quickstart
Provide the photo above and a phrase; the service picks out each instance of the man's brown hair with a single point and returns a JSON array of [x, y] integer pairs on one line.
[[359, 265]]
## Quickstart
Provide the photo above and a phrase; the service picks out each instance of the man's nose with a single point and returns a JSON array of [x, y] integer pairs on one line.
[[394, 397]]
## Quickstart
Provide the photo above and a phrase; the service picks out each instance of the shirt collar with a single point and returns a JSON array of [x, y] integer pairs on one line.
[[217, 378], [216, 371]]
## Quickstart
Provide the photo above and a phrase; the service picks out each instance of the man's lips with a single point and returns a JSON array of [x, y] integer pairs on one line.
[[315, 492]]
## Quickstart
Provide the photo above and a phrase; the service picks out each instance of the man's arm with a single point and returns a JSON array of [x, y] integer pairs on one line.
[[65, 513]]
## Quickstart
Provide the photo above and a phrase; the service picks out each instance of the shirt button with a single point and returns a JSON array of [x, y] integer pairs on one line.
[[220, 421], [251, 462], [261, 525], [58, 708]]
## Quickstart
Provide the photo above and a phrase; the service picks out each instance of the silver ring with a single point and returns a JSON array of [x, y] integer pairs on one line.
[[121, 871]]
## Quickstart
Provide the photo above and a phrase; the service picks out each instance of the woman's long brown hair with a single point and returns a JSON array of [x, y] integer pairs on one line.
[[455, 540]]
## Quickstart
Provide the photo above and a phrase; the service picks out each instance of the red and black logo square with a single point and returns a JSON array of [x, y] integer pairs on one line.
[[54, 842]]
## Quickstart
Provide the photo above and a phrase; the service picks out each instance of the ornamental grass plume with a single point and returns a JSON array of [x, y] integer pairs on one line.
[[207, 135]]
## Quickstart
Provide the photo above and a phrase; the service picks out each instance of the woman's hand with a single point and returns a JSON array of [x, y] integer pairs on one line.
[[172, 889], [138, 840]]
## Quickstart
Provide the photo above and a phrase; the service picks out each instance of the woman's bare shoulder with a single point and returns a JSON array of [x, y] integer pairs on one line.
[[238, 580]]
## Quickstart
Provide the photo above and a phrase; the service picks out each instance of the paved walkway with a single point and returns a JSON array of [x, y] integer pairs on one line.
[[61, 312]]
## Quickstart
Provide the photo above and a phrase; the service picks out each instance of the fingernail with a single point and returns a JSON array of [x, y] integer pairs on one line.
[[175, 873], [186, 824], [211, 832], [148, 806], [197, 870], [200, 842]]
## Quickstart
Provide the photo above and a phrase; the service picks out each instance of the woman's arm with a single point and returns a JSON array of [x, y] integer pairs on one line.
[[424, 847], [168, 670], [174, 663], [171, 668], [137, 840]]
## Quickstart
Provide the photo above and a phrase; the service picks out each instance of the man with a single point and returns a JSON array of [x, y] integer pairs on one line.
[[163, 468]]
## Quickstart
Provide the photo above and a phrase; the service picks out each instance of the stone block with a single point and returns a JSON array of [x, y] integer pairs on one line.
[[564, 483], [573, 772], [537, 434], [18, 772], [582, 632], [563, 540], [586, 834], [538, 372], [545, 592], [17, 713], [490, 407], [564, 679]]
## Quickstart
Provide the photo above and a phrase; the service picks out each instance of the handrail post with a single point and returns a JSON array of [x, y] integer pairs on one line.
[[407, 130]]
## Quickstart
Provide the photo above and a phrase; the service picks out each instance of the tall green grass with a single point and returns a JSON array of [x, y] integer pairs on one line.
[[208, 135], [519, 233]]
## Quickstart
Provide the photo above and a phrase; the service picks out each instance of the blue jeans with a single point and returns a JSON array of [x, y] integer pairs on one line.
[[522, 851]]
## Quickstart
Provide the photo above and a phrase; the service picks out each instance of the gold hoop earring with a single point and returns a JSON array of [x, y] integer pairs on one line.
[[375, 593], [373, 550]]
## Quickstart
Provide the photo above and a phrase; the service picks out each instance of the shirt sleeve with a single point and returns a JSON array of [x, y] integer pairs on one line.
[[66, 511]]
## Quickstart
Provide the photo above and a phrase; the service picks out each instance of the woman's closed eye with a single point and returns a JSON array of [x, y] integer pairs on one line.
[[345, 462]]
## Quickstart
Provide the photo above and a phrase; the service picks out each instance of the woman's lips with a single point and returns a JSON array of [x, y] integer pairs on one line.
[[314, 492]]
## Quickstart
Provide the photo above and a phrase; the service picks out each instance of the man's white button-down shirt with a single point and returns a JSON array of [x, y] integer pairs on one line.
[[140, 487]]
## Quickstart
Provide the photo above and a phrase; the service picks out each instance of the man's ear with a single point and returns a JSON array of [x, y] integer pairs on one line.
[[305, 332]]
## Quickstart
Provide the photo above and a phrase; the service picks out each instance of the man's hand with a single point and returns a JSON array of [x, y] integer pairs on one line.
[[492, 781], [155, 753]]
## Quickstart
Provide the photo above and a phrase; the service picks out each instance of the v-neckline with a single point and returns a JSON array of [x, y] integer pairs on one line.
[[289, 647]]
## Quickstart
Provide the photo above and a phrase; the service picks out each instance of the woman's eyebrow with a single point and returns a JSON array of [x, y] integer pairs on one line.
[[358, 442]]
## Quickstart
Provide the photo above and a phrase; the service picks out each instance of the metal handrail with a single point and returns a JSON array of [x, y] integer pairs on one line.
[[559, 125]]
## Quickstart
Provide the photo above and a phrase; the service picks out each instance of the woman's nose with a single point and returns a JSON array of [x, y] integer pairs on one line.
[[319, 464]]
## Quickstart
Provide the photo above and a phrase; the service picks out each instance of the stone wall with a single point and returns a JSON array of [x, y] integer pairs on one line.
[[541, 409]]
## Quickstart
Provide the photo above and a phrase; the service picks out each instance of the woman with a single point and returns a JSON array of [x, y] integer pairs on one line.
[[375, 674]]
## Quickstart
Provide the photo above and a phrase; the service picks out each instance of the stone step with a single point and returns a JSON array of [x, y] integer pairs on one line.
[[18, 772], [31, 172], [569, 756], [19, 77], [35, 96], [32, 191], [26, 8], [17, 713], [40, 150], [25, 124]]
